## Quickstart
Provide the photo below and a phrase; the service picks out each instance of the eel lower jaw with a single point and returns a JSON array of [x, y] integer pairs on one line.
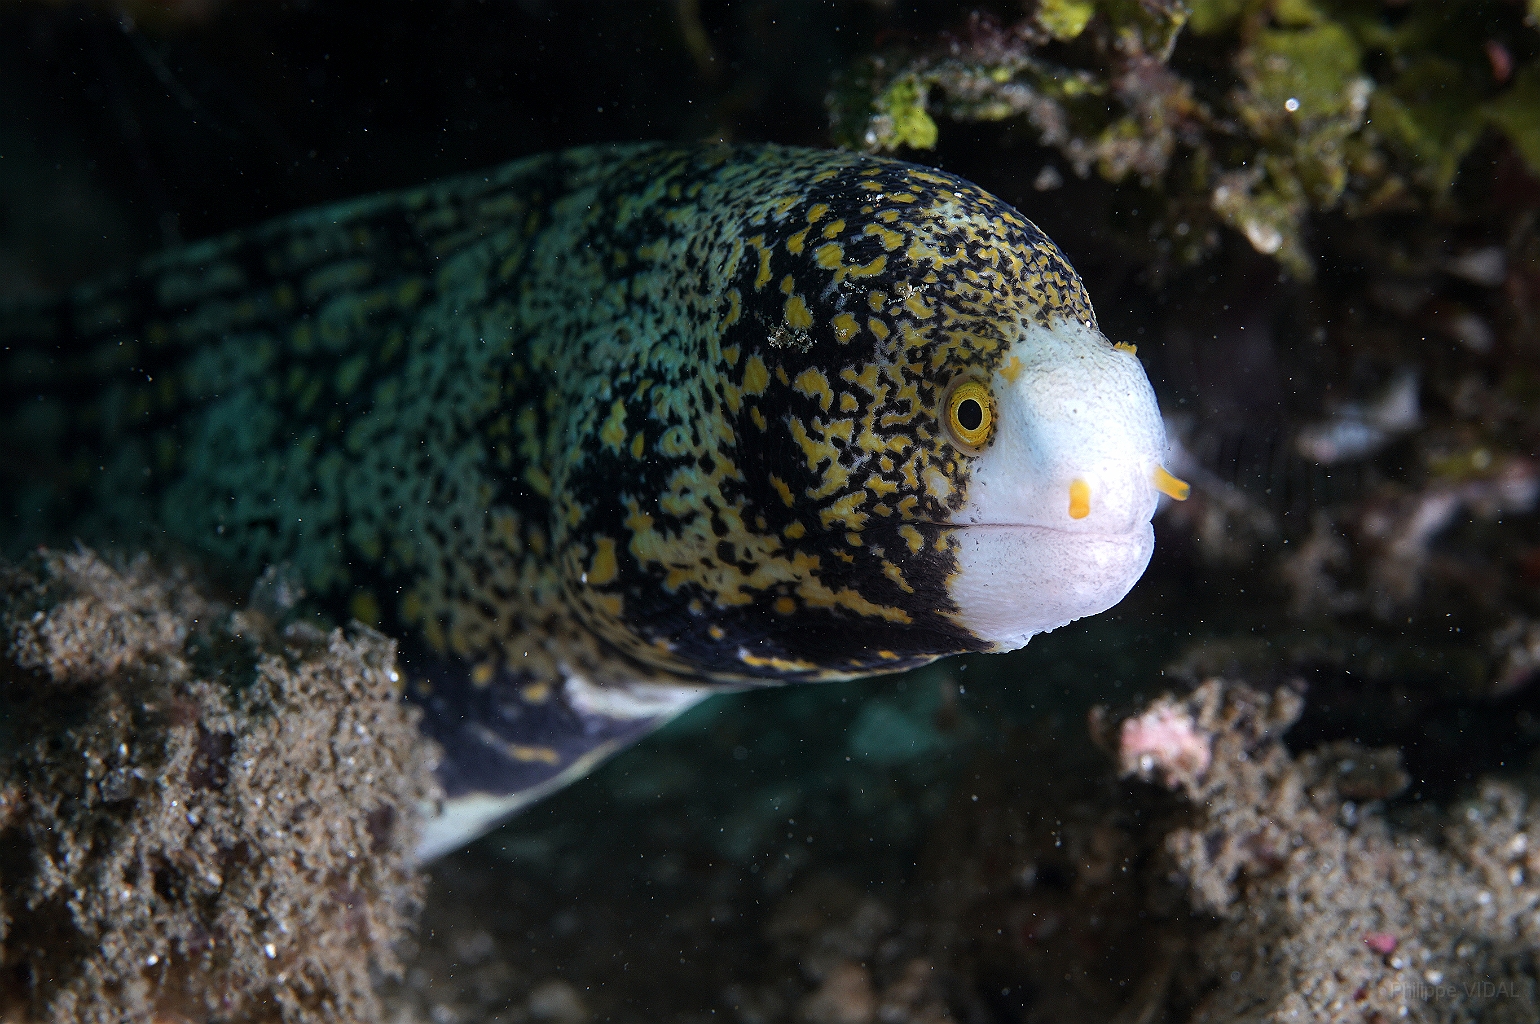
[[1040, 528], [1014, 581]]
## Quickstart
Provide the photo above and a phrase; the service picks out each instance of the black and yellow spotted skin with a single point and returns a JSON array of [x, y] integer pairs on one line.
[[773, 501], [630, 415]]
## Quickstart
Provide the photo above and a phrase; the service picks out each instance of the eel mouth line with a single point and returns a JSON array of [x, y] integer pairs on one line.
[[1079, 506], [1039, 528]]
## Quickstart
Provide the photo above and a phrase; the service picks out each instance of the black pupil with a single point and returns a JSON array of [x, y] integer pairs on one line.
[[970, 415]]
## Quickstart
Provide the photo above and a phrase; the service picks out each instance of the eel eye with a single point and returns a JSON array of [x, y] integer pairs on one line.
[[969, 412]]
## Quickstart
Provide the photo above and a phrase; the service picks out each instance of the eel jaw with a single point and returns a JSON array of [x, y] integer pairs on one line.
[[1012, 582], [1055, 524]]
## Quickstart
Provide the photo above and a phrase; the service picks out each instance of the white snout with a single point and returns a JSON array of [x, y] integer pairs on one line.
[[1057, 517]]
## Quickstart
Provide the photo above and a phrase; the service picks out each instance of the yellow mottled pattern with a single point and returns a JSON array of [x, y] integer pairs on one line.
[[633, 412]]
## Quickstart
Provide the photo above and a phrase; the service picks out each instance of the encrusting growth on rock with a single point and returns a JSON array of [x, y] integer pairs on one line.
[[1328, 909], [1247, 883], [202, 816], [1324, 907]]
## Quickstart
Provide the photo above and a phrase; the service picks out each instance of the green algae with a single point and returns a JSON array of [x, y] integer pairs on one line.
[[1264, 112], [911, 125], [1316, 67], [1517, 111], [1211, 16], [1065, 19], [1145, 26]]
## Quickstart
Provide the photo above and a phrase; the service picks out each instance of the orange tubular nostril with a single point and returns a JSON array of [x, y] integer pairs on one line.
[[1169, 485], [1079, 499]]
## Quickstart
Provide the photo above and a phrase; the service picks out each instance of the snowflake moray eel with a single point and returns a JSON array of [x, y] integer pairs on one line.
[[598, 433]]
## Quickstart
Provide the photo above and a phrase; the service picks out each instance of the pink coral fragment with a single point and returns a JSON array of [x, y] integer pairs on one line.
[[1382, 943], [1165, 741]]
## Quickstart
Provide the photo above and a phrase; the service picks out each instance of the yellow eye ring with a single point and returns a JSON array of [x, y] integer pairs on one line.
[[969, 412]]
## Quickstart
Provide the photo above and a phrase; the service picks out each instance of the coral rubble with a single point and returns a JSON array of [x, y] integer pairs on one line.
[[202, 817], [1276, 887], [1243, 881]]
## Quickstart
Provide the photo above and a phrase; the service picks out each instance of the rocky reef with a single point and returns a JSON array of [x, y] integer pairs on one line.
[[1246, 114], [202, 816]]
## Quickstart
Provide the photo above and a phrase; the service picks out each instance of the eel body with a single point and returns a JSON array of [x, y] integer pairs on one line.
[[597, 433]]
